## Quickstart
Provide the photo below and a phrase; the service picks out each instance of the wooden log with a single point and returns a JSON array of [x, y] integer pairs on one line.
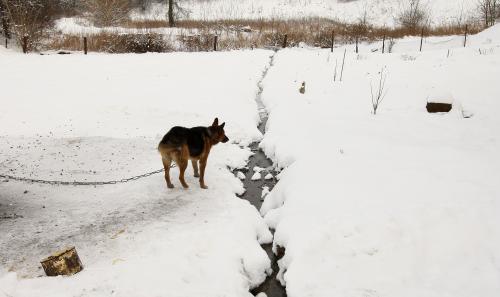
[[65, 262]]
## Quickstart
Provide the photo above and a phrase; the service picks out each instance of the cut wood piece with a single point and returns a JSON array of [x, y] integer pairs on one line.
[[433, 107], [440, 101], [65, 262]]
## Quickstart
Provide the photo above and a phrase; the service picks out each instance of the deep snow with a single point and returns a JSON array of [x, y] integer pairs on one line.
[[404, 203]]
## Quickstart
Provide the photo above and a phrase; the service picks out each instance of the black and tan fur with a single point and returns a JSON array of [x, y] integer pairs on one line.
[[183, 144]]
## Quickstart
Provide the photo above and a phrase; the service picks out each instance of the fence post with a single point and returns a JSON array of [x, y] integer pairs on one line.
[[215, 42], [85, 45], [285, 40], [357, 44], [383, 44], [333, 39], [25, 44], [6, 42], [465, 35], [422, 39]]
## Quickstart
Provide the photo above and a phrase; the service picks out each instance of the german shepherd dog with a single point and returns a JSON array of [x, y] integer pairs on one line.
[[183, 144]]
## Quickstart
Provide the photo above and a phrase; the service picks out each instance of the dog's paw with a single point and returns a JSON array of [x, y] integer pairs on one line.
[[203, 187], [171, 186], [196, 175], [185, 186]]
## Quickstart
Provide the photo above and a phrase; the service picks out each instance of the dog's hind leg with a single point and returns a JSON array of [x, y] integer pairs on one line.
[[183, 161], [167, 161], [195, 168]]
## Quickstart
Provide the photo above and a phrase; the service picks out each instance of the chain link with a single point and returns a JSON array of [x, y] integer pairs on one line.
[[80, 183]]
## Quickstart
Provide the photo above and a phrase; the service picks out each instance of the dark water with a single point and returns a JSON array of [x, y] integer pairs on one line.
[[271, 286]]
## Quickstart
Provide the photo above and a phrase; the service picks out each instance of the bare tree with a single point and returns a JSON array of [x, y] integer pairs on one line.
[[4, 20], [175, 11], [378, 95], [108, 12], [28, 20], [413, 16], [489, 11]]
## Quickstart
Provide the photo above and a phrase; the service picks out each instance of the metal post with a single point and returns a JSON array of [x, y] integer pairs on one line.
[[333, 39], [465, 35], [421, 39], [383, 44]]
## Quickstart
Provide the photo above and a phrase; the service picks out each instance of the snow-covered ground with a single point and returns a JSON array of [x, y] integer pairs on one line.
[[402, 203], [379, 12], [99, 118]]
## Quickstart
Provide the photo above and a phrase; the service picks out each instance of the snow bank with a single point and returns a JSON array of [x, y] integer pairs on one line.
[[403, 203], [98, 118]]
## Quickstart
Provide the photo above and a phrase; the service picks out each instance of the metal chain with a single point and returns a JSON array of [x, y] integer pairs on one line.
[[80, 183]]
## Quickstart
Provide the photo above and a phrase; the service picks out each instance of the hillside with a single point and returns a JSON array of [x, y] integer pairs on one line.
[[379, 12]]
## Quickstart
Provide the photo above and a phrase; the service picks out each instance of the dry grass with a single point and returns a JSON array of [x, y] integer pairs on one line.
[[113, 43], [238, 34]]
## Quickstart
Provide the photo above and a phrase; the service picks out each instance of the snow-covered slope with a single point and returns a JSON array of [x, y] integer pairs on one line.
[[404, 203], [379, 12]]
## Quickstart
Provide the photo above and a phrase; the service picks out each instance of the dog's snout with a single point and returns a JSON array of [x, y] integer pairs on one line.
[[225, 139]]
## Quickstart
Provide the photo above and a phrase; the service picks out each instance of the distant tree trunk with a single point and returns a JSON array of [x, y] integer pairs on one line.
[[171, 21], [4, 20]]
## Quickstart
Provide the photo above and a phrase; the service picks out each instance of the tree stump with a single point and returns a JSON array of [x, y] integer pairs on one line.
[[65, 262]]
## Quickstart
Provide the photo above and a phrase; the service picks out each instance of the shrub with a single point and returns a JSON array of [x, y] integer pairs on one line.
[[107, 13], [28, 19], [413, 16]]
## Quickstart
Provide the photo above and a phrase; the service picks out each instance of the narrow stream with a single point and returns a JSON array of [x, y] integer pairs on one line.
[[259, 163]]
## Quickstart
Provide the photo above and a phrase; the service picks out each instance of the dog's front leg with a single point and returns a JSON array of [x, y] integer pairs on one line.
[[203, 165]]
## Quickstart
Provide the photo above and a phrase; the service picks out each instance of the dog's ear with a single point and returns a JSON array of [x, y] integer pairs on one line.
[[222, 126], [216, 122]]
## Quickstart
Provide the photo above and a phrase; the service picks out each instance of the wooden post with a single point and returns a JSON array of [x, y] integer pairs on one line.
[[25, 44], [383, 44], [215, 42], [65, 262], [85, 45], [6, 42], [333, 40], [422, 39], [465, 35], [285, 40], [357, 50]]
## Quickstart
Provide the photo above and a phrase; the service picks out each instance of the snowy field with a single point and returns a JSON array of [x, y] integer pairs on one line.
[[379, 12], [100, 117], [404, 203]]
